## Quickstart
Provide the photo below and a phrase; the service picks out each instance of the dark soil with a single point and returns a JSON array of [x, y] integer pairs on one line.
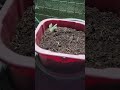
[[64, 40], [102, 39], [23, 42]]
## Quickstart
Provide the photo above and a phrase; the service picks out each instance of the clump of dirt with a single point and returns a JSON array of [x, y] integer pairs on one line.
[[64, 40], [23, 42], [102, 39]]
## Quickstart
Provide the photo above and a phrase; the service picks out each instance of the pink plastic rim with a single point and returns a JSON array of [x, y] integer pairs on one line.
[[47, 52]]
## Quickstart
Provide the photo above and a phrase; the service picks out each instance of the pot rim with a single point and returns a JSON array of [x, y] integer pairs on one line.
[[8, 56], [47, 52], [56, 75], [12, 58], [108, 73], [5, 8]]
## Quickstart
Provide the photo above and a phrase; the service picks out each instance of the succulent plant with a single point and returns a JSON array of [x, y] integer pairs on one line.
[[52, 27]]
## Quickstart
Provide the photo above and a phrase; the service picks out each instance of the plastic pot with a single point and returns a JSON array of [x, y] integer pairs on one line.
[[111, 75], [59, 62], [47, 80], [21, 67]]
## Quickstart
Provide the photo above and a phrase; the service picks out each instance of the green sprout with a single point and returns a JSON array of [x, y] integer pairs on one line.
[[52, 28]]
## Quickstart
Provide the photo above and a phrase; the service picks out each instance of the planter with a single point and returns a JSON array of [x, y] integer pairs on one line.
[[48, 80], [103, 76], [21, 67], [45, 81], [59, 62]]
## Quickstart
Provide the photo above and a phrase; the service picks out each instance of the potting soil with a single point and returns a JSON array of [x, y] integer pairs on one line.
[[102, 39], [23, 42], [64, 40]]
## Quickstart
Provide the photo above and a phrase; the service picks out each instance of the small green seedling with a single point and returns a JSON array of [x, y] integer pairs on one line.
[[52, 28]]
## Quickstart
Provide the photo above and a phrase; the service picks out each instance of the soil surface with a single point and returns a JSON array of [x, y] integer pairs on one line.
[[102, 39], [64, 40], [23, 42]]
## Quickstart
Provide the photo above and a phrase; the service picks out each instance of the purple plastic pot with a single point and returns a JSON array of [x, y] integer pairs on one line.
[[21, 67], [107, 75]]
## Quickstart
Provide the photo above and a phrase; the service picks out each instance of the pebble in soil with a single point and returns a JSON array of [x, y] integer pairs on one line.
[[64, 40], [23, 42], [102, 39]]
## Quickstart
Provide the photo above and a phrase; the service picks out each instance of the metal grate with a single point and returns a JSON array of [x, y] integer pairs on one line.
[[59, 9]]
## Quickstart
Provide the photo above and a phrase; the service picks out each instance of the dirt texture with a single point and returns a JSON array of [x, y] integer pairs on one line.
[[102, 39], [23, 42], [64, 40]]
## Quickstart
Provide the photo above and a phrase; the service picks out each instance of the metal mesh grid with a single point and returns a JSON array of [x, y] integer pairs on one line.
[[60, 9]]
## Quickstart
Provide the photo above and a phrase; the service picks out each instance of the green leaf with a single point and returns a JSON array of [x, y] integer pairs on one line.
[[52, 28]]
